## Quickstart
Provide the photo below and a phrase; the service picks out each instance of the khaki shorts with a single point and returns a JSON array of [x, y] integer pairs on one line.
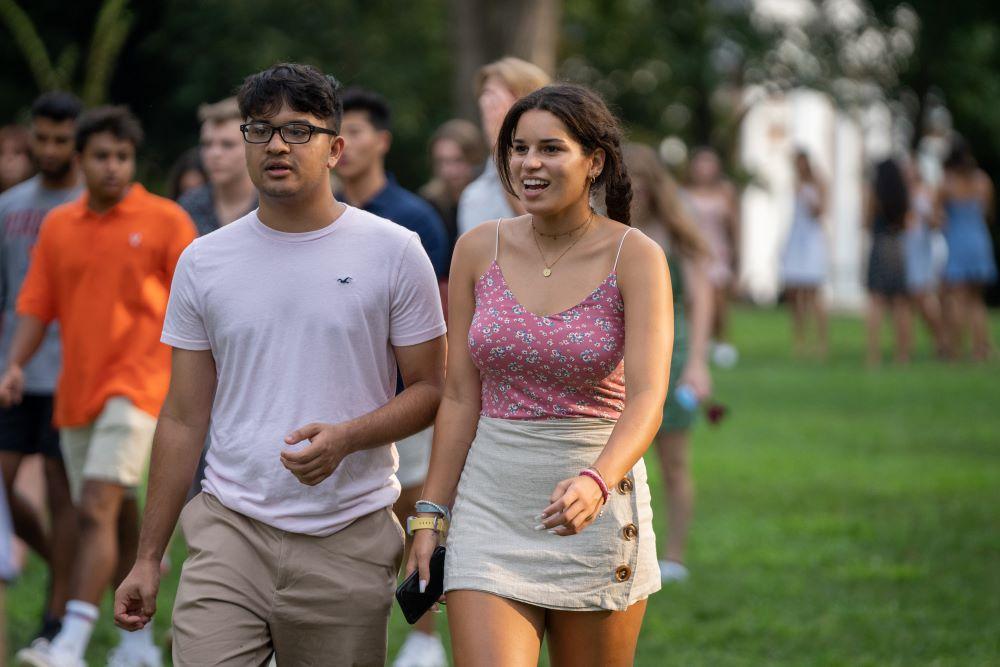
[[114, 448], [248, 590]]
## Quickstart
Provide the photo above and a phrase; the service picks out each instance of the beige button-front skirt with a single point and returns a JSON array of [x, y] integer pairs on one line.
[[510, 473]]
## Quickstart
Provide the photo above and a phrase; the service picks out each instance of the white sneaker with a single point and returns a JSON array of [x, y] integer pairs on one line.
[[41, 654], [724, 355], [672, 571], [40, 644], [135, 656], [421, 650]]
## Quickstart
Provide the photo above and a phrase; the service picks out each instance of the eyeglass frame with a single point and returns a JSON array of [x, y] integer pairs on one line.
[[313, 129]]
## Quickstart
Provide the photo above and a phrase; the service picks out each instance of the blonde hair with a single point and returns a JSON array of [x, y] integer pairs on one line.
[[219, 112], [520, 76], [665, 206]]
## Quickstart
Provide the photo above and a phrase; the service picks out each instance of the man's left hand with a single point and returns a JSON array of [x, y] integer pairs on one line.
[[327, 447]]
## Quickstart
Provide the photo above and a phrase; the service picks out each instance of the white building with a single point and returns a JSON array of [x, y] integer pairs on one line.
[[839, 146]]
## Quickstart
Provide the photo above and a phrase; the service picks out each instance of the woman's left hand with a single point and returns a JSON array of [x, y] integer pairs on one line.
[[575, 504]]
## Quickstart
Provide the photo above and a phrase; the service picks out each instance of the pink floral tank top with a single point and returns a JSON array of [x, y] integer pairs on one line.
[[570, 364]]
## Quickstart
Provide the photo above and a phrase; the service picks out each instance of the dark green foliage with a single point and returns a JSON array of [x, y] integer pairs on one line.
[[958, 56], [668, 66]]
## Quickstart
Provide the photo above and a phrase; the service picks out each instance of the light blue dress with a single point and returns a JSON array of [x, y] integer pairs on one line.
[[970, 249], [917, 247], [804, 259]]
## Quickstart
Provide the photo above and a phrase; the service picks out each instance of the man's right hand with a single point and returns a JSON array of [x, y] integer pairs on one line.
[[11, 386], [135, 599]]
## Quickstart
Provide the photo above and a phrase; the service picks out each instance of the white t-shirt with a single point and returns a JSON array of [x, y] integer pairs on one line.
[[484, 200], [301, 327]]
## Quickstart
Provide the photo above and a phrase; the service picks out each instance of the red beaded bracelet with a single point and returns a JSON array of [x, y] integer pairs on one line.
[[596, 476]]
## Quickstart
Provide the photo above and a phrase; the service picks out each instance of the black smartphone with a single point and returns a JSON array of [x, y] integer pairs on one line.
[[412, 602]]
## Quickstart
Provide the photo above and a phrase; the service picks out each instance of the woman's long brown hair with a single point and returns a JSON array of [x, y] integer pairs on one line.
[[664, 203]]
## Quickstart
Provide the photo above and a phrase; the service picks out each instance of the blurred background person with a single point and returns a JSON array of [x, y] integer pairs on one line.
[[658, 212], [229, 194], [886, 207], [714, 203], [26, 429], [966, 201], [8, 570], [367, 132], [922, 277], [186, 174], [15, 156], [107, 258], [498, 85], [804, 259], [226, 193], [457, 153]]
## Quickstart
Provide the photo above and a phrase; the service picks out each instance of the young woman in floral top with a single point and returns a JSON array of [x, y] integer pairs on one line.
[[538, 446]]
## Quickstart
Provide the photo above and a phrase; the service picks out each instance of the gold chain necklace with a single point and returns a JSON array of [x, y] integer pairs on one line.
[[561, 234], [547, 271]]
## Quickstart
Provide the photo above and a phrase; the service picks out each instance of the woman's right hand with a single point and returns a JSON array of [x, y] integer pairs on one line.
[[697, 376], [424, 543]]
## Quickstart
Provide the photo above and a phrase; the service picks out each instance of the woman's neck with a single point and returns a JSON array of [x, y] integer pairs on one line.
[[563, 221]]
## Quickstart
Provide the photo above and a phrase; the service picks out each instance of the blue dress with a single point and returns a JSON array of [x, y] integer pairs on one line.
[[970, 249], [803, 262]]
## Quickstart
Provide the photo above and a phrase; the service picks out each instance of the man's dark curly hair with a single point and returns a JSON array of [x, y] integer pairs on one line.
[[302, 87]]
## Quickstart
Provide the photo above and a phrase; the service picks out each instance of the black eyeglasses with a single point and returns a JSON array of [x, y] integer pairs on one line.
[[291, 133]]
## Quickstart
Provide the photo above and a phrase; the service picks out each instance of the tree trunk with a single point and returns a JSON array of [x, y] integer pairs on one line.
[[487, 30]]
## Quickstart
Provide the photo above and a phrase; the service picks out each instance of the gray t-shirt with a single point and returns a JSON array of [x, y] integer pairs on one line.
[[22, 209], [200, 205]]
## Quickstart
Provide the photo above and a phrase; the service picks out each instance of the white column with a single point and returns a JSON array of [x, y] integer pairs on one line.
[[845, 290], [766, 212]]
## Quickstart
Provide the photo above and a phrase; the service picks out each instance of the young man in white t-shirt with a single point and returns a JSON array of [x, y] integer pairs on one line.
[[289, 323]]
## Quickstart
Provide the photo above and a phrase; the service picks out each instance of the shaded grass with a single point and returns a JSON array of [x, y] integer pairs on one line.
[[845, 517]]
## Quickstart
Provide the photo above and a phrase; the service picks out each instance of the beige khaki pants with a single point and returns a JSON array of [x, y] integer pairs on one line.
[[248, 589], [113, 448]]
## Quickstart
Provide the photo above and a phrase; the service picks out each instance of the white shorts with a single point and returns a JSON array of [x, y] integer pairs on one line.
[[113, 448], [414, 458]]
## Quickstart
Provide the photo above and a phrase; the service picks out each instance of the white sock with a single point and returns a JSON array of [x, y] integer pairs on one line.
[[77, 625], [139, 639]]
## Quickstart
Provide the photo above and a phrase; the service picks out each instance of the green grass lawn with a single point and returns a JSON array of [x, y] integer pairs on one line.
[[844, 517]]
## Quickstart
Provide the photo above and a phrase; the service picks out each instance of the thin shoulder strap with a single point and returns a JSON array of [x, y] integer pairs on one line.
[[620, 244], [496, 248]]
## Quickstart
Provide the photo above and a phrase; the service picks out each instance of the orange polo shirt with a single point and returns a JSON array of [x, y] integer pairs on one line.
[[106, 278]]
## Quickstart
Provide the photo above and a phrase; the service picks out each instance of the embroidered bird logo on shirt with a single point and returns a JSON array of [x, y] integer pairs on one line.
[[345, 280]]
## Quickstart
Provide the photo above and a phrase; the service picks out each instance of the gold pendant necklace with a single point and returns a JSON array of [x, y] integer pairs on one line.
[[547, 271]]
